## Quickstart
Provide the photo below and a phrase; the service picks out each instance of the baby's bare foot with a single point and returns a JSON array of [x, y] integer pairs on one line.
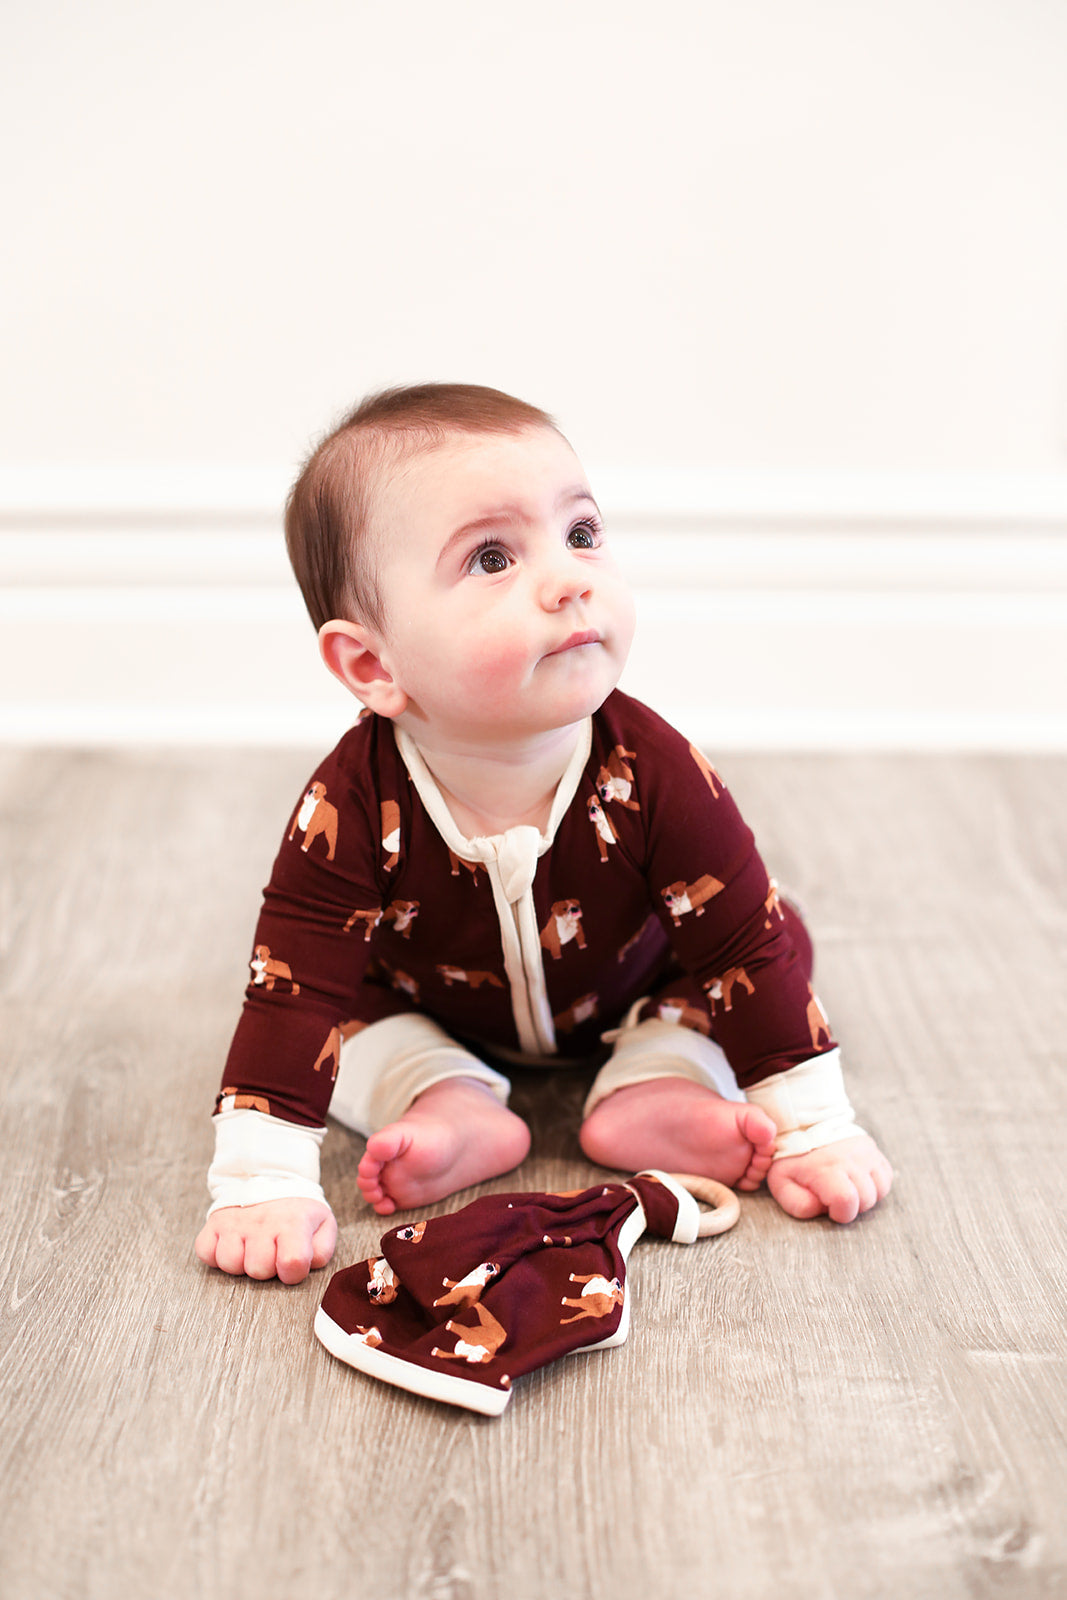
[[680, 1126], [454, 1134]]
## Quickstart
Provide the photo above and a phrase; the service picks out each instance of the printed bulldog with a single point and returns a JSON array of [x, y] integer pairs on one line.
[[383, 1285], [583, 1010], [474, 1345], [615, 780], [465, 1291], [677, 1009], [245, 1102], [401, 913], [370, 920], [331, 1050], [403, 982], [598, 1299], [412, 1233], [721, 990], [682, 897], [606, 831], [563, 925], [473, 867], [390, 834], [315, 815], [266, 972], [453, 975]]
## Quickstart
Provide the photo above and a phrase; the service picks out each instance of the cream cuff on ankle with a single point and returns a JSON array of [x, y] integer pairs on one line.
[[807, 1104], [262, 1158], [385, 1066], [655, 1048]]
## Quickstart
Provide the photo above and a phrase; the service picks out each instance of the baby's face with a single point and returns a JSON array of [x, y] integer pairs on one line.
[[505, 615]]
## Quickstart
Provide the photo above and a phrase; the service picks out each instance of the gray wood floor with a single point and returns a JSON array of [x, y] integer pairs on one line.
[[802, 1410]]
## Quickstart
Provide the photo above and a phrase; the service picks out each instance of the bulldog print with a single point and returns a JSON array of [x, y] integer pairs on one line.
[[474, 1345], [564, 924], [598, 1299], [615, 780], [583, 1010], [473, 867], [412, 1233], [403, 982], [773, 905], [390, 834], [383, 1285], [720, 990], [711, 777], [682, 897], [677, 1009], [331, 1050], [818, 1022], [606, 832], [369, 1336], [465, 1291], [370, 920], [245, 1102], [315, 815], [266, 972], [453, 975], [401, 913]]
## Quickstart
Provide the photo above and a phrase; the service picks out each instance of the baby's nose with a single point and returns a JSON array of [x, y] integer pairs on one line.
[[565, 580]]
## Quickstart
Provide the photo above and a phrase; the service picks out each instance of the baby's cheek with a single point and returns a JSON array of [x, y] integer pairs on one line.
[[494, 666]]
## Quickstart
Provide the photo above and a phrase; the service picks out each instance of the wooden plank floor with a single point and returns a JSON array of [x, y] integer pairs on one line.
[[801, 1411]]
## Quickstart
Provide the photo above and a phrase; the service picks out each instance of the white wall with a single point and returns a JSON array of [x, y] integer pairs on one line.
[[783, 272]]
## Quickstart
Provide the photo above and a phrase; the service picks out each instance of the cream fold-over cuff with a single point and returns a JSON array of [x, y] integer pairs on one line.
[[261, 1158], [807, 1104], [387, 1065]]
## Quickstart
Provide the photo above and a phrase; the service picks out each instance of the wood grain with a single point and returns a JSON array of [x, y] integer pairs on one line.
[[801, 1410]]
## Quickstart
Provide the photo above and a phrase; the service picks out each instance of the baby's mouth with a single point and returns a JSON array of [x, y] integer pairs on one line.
[[576, 640]]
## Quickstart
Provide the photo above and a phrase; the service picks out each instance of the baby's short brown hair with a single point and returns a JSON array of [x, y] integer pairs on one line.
[[328, 509]]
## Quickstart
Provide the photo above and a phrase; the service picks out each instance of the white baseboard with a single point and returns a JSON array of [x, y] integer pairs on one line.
[[774, 612]]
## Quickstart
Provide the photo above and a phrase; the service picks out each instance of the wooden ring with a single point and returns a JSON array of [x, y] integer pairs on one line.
[[727, 1207]]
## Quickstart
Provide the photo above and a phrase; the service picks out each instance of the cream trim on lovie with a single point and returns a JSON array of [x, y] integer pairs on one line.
[[454, 1389], [510, 859]]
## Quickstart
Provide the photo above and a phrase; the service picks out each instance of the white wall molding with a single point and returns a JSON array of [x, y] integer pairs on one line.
[[777, 610], [93, 490]]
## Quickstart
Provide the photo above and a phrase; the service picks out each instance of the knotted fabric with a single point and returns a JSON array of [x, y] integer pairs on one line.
[[457, 1307]]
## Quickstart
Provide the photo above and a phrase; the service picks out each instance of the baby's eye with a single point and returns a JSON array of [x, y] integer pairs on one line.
[[490, 560], [584, 536]]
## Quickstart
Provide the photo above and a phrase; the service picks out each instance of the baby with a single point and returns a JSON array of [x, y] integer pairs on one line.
[[505, 861]]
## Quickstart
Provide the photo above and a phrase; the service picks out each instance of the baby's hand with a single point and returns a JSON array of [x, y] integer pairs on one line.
[[278, 1237], [842, 1179]]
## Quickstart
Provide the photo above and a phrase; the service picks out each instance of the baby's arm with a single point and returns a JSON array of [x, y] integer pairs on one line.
[[824, 1163], [276, 1238], [269, 1216]]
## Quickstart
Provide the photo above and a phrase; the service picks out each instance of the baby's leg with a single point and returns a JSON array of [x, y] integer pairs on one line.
[[667, 1097], [680, 1126], [435, 1117], [454, 1134]]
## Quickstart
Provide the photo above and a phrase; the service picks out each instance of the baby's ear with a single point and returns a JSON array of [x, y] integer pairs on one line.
[[352, 654]]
